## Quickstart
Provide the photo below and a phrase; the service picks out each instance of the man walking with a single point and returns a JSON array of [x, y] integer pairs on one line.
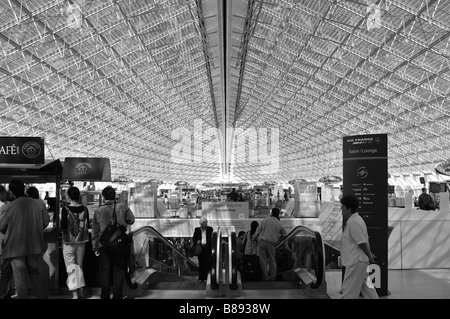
[[355, 252], [23, 224]]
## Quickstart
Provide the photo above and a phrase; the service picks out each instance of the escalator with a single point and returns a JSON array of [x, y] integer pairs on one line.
[[300, 268], [160, 263]]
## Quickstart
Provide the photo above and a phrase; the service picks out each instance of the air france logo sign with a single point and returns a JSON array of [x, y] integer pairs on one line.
[[21, 150], [362, 172]]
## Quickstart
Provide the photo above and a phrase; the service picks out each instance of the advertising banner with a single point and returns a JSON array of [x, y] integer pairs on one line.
[[365, 175], [225, 210], [21, 150], [87, 169], [306, 203]]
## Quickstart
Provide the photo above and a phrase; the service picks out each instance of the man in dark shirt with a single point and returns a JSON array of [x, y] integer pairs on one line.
[[425, 201], [233, 195]]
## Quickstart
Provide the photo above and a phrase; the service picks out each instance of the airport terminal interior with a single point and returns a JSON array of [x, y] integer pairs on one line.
[[291, 103]]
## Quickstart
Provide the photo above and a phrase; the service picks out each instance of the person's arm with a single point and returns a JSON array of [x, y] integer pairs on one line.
[[3, 221], [64, 218], [95, 233], [45, 216], [86, 216], [365, 247], [283, 233], [196, 238], [129, 216], [257, 232]]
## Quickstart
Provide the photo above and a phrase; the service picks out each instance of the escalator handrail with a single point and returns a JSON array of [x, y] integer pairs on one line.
[[163, 239], [215, 259], [294, 232], [320, 264], [232, 260]]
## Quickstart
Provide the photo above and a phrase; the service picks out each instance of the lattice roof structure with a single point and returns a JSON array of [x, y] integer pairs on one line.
[[166, 88]]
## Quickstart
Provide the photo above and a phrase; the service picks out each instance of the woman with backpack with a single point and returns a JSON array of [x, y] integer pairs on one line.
[[75, 227]]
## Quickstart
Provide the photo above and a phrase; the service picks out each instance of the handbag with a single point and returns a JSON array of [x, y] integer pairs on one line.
[[195, 250], [115, 238]]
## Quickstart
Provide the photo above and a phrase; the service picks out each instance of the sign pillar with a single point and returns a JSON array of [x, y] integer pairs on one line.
[[365, 176]]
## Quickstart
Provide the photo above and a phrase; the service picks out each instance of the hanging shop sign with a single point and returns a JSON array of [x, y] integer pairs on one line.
[[87, 169], [21, 150], [443, 168], [365, 165], [330, 179], [225, 210]]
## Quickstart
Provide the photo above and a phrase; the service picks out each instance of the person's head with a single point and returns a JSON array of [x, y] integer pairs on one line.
[[17, 187], [233, 190], [275, 212], [109, 193], [203, 222], [241, 234], [254, 224], [5, 195], [424, 190], [349, 205], [33, 192], [74, 193]]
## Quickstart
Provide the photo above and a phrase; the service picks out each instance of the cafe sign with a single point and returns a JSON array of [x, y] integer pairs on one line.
[[21, 150]]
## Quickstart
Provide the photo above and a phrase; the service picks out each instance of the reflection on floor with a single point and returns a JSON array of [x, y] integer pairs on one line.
[[402, 284]]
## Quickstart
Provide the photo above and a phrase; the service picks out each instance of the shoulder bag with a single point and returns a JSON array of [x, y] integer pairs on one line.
[[195, 250], [115, 238]]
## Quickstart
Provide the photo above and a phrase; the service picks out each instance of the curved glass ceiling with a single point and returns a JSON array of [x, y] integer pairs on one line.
[[246, 91]]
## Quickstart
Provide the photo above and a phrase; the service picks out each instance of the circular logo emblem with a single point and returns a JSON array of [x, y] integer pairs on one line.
[[362, 172], [83, 168], [31, 149]]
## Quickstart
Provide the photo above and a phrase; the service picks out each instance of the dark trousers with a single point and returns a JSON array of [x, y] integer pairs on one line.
[[204, 264], [6, 279], [111, 264]]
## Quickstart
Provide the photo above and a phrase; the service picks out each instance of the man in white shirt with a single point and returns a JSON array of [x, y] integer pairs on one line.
[[355, 252]]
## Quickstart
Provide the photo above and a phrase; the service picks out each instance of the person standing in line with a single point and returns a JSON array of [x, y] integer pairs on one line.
[[355, 252], [425, 201], [33, 192], [268, 234], [23, 224], [6, 273], [203, 236], [251, 265], [233, 196], [109, 261], [75, 235], [240, 249]]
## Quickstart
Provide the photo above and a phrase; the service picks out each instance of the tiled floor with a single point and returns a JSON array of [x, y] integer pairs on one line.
[[402, 284]]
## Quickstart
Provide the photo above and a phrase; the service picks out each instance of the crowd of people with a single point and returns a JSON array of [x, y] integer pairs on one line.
[[23, 219], [23, 245]]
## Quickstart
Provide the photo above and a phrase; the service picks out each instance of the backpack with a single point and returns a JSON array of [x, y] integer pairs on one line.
[[78, 227]]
